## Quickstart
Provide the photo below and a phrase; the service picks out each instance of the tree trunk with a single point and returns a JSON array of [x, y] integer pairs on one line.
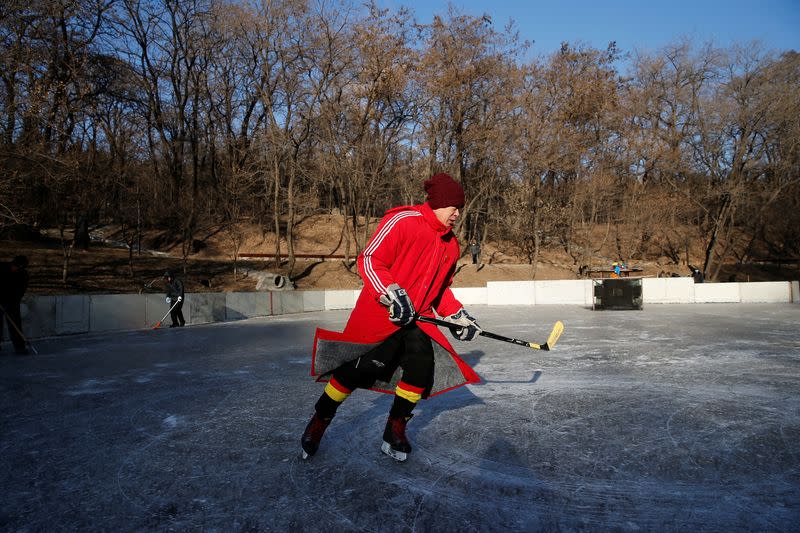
[[719, 222], [290, 218], [67, 250], [276, 208]]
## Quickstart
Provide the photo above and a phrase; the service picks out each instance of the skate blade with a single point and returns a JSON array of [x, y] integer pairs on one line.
[[394, 454], [306, 456]]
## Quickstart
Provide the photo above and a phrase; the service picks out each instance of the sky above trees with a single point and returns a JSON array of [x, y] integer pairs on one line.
[[633, 24]]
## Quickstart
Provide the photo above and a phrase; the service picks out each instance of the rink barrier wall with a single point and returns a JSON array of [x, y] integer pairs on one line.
[[45, 316]]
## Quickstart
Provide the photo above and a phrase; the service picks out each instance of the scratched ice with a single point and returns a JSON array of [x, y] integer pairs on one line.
[[674, 418]]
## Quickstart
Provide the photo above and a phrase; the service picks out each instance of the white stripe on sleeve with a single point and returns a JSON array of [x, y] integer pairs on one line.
[[369, 270]]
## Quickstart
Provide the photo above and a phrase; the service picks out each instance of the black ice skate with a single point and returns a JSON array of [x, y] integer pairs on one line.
[[313, 434], [395, 444]]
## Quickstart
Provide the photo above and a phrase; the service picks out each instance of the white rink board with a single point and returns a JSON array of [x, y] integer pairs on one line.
[[510, 293], [59, 315], [563, 292], [341, 299], [116, 311], [471, 295], [766, 292], [285, 302], [239, 305], [313, 300], [717, 293], [668, 290]]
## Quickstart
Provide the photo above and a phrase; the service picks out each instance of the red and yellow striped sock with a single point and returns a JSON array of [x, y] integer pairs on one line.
[[409, 392], [336, 391]]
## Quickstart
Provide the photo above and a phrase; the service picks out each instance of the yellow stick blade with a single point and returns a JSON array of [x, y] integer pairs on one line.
[[558, 329]]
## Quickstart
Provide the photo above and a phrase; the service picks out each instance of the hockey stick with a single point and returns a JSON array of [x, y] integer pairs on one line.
[[17, 328], [149, 284], [163, 318], [552, 339]]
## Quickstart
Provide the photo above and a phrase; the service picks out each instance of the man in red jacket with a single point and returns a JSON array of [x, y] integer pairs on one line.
[[407, 268]]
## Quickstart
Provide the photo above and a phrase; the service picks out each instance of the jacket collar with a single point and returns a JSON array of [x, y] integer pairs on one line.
[[433, 222], [427, 215]]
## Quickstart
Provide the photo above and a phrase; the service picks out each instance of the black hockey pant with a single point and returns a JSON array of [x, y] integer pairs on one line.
[[410, 348], [176, 314]]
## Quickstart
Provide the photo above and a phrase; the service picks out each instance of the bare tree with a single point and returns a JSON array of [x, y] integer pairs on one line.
[[468, 87], [193, 115]]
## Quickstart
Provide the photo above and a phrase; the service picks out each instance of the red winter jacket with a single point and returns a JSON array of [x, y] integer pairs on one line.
[[413, 249]]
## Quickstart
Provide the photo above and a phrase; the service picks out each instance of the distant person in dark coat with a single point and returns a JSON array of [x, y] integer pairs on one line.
[[697, 274], [175, 298], [13, 284], [475, 250], [82, 233]]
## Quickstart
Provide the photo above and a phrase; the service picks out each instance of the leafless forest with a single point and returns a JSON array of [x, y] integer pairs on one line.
[[189, 115]]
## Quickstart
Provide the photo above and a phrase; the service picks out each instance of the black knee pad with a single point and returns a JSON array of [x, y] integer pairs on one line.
[[417, 359], [378, 363]]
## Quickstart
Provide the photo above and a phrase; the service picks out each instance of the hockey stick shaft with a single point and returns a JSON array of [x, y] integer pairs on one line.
[[163, 318], [558, 328]]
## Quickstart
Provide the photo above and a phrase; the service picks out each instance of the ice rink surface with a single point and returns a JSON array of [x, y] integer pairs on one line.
[[674, 418]]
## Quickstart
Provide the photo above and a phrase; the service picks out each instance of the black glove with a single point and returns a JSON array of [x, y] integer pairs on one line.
[[470, 329], [401, 309]]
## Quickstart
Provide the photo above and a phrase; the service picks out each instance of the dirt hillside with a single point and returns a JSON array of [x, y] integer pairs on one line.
[[107, 266]]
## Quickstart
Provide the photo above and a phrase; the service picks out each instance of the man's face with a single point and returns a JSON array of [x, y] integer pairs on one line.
[[447, 215]]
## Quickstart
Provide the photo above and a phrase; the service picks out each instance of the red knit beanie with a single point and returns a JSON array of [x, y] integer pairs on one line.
[[444, 191]]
